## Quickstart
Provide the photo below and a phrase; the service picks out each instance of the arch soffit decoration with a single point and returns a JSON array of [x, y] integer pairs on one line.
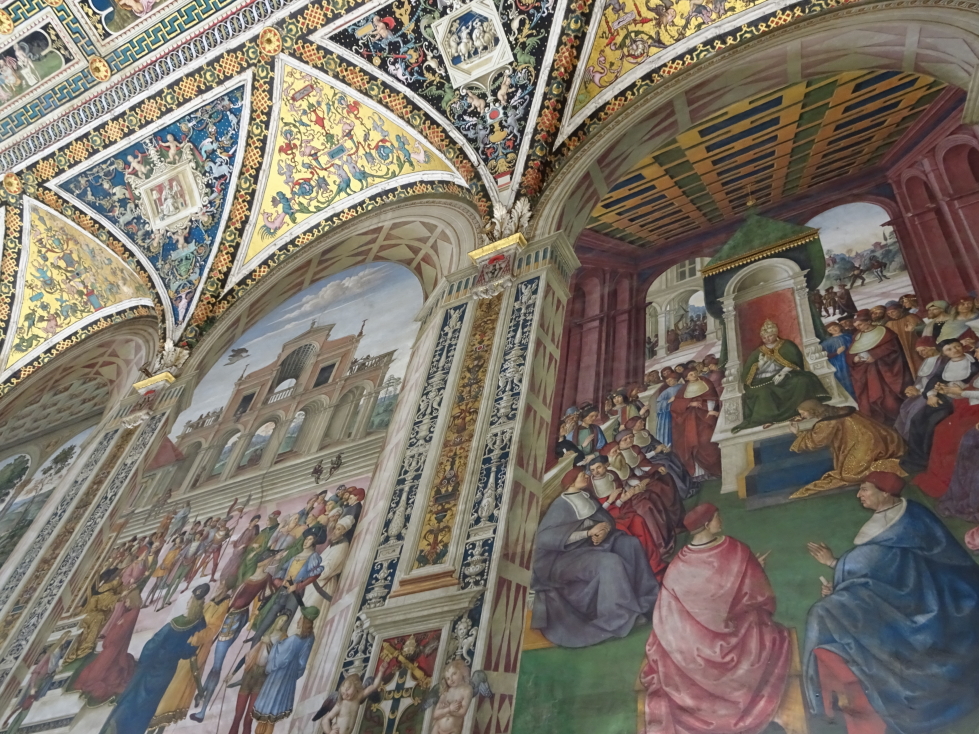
[[313, 406], [914, 185], [939, 41], [113, 354], [365, 385], [682, 298], [944, 152], [954, 141]]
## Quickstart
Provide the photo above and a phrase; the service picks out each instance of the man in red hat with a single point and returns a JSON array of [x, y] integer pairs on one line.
[[716, 661], [591, 581], [878, 370], [896, 634]]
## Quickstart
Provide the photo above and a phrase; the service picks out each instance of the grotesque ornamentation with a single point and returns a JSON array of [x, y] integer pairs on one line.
[[168, 194]]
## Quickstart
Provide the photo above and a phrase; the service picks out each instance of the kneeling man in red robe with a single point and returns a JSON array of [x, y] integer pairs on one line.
[[716, 661]]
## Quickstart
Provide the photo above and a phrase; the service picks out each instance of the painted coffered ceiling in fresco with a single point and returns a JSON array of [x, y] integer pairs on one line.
[[767, 149], [196, 144]]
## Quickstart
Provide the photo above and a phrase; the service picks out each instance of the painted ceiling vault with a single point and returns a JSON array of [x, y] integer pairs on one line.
[[766, 148], [188, 147]]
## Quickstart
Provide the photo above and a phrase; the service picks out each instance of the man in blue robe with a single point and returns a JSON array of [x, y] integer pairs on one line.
[[902, 614], [664, 419], [836, 346], [285, 666], [156, 667]]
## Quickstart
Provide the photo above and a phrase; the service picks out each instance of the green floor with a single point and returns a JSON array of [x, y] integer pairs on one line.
[[592, 690]]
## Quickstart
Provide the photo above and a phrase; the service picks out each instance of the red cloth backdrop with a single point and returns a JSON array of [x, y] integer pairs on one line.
[[779, 307]]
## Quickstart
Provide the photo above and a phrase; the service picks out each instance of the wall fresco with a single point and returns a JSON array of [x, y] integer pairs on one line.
[[250, 538], [27, 497]]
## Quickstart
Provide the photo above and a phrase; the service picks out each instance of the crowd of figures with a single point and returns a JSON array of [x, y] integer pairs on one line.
[[267, 579], [903, 598], [915, 370]]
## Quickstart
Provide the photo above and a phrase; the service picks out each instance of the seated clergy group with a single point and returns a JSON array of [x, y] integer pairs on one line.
[[904, 598]]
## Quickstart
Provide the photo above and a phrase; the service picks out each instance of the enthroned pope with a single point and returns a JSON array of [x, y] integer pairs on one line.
[[776, 381]]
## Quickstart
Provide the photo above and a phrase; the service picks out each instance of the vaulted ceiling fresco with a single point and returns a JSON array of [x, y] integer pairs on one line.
[[763, 149], [201, 142]]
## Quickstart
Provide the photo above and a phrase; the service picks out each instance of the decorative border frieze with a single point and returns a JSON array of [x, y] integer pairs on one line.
[[421, 433], [146, 81], [495, 463]]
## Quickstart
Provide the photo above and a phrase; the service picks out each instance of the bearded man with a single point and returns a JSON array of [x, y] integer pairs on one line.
[[776, 380]]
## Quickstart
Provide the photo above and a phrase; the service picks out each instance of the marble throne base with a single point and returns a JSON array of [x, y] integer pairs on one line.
[[736, 454]]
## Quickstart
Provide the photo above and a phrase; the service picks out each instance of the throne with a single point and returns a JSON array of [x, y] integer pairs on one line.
[[765, 271]]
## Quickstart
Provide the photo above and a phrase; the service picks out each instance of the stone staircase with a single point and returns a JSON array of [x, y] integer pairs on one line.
[[269, 485]]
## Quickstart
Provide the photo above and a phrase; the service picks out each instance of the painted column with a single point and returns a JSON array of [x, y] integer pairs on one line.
[[314, 426], [205, 460], [52, 572], [275, 440], [451, 565], [662, 328], [239, 449], [368, 402]]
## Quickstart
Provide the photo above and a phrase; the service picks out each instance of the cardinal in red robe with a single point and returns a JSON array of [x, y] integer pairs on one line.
[[878, 369], [694, 411], [716, 661]]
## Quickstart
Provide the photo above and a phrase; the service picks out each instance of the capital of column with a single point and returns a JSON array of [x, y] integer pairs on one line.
[[496, 265]]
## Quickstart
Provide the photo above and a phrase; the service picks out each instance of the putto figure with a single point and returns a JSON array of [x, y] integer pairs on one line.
[[776, 381]]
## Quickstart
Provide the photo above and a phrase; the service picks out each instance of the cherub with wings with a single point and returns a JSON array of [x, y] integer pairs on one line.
[[454, 695], [339, 711]]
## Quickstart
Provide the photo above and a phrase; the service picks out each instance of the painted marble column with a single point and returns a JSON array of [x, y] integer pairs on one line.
[[368, 403], [50, 575], [663, 326], [451, 566]]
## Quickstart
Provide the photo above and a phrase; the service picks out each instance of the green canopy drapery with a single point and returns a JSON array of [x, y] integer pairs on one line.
[[758, 238]]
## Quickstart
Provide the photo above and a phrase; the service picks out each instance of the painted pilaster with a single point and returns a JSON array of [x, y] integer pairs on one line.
[[452, 564], [76, 532]]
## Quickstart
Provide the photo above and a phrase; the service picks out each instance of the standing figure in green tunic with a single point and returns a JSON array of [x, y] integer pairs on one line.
[[775, 379]]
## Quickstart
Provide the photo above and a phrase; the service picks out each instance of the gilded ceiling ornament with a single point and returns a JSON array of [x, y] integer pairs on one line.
[[270, 41], [12, 184], [100, 68], [333, 148], [6, 23], [164, 191], [53, 3], [507, 221], [68, 281]]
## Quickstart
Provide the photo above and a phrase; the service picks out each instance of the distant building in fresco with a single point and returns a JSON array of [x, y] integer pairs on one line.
[[315, 394]]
